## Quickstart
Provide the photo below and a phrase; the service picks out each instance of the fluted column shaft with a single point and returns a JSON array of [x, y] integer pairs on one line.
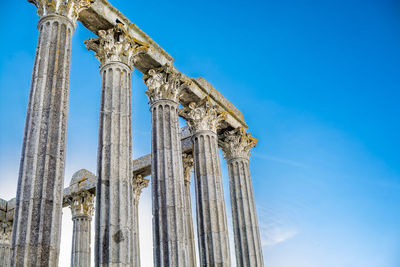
[[187, 168], [36, 234], [170, 244], [211, 212], [135, 229], [244, 216], [236, 147], [114, 242], [5, 254], [81, 206], [80, 255], [114, 236], [169, 221], [203, 119]]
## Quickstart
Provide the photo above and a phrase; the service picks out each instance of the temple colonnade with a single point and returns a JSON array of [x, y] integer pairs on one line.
[[114, 192]]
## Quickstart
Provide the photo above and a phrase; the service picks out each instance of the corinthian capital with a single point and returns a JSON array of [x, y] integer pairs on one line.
[[82, 203], [115, 45], [164, 83], [138, 183], [5, 231], [237, 144], [203, 116], [67, 8], [187, 160]]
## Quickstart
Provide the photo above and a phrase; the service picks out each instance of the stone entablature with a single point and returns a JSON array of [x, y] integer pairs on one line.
[[81, 199]]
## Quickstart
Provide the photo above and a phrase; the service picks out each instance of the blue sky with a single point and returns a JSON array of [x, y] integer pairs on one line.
[[318, 83]]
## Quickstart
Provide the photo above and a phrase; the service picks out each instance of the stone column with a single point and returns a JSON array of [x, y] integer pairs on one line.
[[36, 234], [82, 206], [138, 183], [187, 170], [236, 146], [203, 120], [169, 221], [6, 224], [114, 243]]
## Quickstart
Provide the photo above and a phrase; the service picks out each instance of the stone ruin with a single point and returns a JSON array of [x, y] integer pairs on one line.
[[31, 223]]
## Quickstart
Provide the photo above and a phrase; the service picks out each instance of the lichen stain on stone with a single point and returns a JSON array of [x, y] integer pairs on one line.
[[118, 237]]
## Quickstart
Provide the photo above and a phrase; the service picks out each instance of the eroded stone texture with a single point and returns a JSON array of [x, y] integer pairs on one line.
[[169, 221], [67, 8], [6, 224], [114, 244], [5, 243], [138, 183], [36, 234], [236, 146], [203, 119], [187, 159], [81, 203]]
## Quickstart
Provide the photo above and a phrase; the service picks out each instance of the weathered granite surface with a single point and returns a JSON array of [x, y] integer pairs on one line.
[[204, 119], [169, 221], [37, 226], [236, 146], [114, 242], [6, 224]]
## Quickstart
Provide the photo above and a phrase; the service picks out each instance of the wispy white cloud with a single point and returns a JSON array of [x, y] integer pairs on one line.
[[275, 235], [274, 227]]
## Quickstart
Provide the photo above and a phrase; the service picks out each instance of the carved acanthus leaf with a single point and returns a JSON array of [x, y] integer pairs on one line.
[[115, 45], [82, 203], [67, 8], [187, 160], [237, 144], [203, 116], [5, 232], [164, 83], [138, 183]]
